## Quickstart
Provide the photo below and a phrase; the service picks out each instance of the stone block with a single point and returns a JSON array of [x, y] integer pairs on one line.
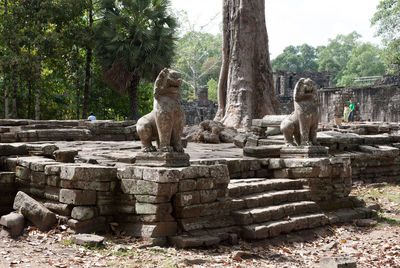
[[66, 156], [152, 199], [14, 222], [87, 240], [35, 212], [205, 183], [187, 185], [160, 229], [52, 193], [10, 164], [162, 175], [7, 177], [23, 173], [82, 213], [38, 178], [219, 171], [195, 171], [142, 187], [304, 151], [158, 209], [58, 208], [338, 262], [266, 151], [77, 197], [207, 196], [53, 180], [13, 149], [187, 198], [101, 186], [162, 159], [130, 172], [125, 209], [185, 241], [97, 224], [304, 172], [88, 172]]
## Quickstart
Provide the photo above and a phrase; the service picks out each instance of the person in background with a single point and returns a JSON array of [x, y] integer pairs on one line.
[[91, 117], [346, 112], [351, 114]]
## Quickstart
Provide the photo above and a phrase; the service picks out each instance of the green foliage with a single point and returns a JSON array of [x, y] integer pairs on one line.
[[140, 34], [212, 90], [335, 55], [198, 57], [134, 41], [364, 60], [387, 20], [296, 59], [145, 98]]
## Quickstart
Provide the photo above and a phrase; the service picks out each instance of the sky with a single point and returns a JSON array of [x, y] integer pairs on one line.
[[295, 22]]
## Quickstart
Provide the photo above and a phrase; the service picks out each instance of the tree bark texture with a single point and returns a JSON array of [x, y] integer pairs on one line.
[[246, 88]]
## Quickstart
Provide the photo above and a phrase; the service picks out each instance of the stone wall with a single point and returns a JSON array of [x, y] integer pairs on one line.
[[157, 203], [201, 109], [372, 103], [285, 82], [21, 130]]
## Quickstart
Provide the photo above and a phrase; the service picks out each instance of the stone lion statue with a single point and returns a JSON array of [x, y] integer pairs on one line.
[[302, 124], [165, 123]]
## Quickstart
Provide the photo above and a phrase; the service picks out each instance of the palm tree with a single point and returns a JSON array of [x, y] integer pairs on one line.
[[134, 41]]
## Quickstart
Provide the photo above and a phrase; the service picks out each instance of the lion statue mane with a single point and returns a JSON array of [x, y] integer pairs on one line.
[[302, 124], [165, 122]]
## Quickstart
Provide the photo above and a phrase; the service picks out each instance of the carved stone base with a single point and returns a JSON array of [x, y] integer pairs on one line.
[[162, 159], [304, 151], [267, 151]]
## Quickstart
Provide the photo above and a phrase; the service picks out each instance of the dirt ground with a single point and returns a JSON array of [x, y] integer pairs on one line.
[[377, 246]]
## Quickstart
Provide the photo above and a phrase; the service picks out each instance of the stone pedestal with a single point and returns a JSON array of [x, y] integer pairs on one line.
[[304, 151], [267, 151], [162, 159]]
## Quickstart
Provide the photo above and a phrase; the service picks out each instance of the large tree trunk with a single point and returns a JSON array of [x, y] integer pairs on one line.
[[246, 88], [133, 98]]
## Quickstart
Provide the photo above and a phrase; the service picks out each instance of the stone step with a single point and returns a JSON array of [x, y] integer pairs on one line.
[[268, 213], [349, 214], [187, 241], [242, 187], [270, 198], [275, 228]]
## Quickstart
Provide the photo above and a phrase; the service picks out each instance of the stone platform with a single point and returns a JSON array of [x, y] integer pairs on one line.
[[222, 195]]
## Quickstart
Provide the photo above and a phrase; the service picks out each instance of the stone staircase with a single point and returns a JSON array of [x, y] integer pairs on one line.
[[265, 208]]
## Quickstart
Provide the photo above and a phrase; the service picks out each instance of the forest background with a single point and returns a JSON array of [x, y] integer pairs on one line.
[[61, 59]]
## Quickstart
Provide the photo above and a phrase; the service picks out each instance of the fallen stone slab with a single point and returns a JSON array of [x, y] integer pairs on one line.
[[14, 223], [77, 197], [186, 241], [34, 211], [88, 172], [65, 156], [81, 213], [46, 149], [338, 262], [267, 151], [13, 149], [89, 240], [366, 222]]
